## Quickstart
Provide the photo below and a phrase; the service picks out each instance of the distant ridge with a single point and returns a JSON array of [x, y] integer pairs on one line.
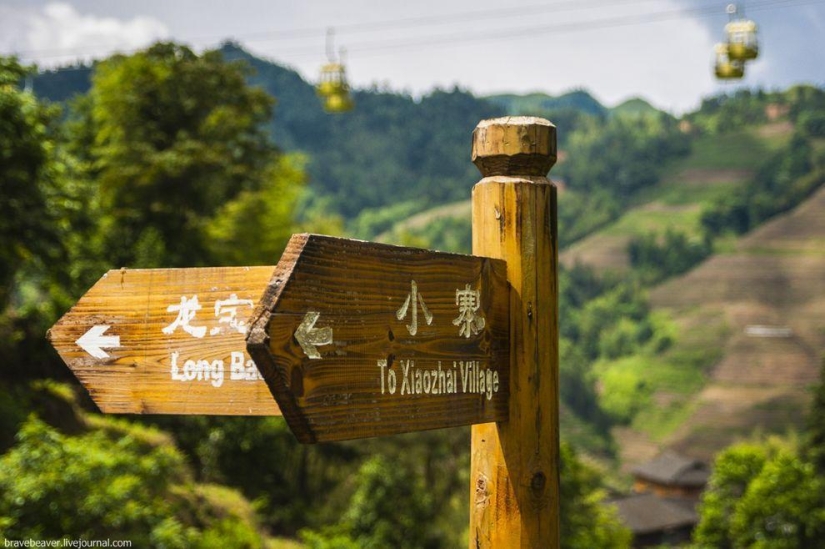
[[538, 102], [634, 105]]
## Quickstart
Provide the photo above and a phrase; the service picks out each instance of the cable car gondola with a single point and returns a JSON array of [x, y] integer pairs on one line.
[[332, 87], [739, 47], [741, 37], [725, 67]]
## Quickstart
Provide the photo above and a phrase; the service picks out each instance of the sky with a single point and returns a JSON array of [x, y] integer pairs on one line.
[[660, 50]]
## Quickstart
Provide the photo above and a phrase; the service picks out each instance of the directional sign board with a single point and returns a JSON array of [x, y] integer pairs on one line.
[[357, 339], [168, 341]]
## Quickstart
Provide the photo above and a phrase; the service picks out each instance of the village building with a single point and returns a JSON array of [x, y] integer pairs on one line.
[[662, 509]]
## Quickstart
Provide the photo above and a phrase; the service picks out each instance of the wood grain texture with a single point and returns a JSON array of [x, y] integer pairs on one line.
[[357, 290], [136, 376], [514, 491]]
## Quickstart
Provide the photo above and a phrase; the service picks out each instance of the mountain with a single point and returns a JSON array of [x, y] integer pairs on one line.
[[389, 149], [534, 103], [394, 158], [62, 84], [634, 105], [748, 322]]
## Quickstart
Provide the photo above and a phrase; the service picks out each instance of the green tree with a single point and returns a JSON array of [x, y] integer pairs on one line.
[[173, 140], [815, 431], [36, 226], [762, 496], [783, 507], [27, 227], [733, 471], [658, 258], [120, 482], [389, 508], [586, 521]]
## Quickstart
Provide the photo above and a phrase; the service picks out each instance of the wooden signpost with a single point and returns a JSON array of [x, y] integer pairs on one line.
[[167, 341], [514, 476], [357, 339]]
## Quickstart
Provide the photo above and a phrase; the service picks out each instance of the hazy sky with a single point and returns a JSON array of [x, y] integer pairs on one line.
[[658, 49]]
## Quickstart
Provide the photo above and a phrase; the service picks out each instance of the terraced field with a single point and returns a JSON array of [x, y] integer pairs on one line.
[[771, 290], [749, 322]]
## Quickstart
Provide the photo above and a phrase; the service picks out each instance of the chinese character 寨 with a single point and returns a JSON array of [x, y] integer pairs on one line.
[[469, 302]]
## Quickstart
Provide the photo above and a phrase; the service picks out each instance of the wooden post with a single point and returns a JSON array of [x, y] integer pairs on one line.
[[514, 492]]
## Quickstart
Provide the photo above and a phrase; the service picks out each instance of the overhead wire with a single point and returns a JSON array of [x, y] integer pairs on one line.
[[383, 46], [388, 24], [531, 32]]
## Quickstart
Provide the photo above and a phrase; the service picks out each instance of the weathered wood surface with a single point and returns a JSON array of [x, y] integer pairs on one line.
[[114, 341], [514, 490], [357, 339]]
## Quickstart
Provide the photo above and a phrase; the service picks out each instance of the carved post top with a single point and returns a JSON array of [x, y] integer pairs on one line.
[[514, 146]]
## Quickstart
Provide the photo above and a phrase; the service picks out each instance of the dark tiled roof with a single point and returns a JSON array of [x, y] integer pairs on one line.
[[648, 513], [672, 469]]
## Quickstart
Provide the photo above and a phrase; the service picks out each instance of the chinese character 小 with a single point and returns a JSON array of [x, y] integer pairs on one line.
[[412, 297]]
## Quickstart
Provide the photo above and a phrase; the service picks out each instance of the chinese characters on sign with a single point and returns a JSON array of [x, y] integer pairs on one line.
[[358, 339], [470, 321], [463, 376], [412, 297], [469, 302], [469, 376], [226, 313]]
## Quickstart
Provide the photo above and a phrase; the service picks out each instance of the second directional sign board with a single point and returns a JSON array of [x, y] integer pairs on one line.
[[168, 341], [357, 339]]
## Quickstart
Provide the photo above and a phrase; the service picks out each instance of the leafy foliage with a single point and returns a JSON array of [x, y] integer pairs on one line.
[[38, 198], [660, 258], [733, 471], [762, 496], [585, 519], [768, 495], [390, 508], [116, 483], [781, 183], [26, 156], [172, 139], [815, 431], [623, 153], [167, 161], [608, 161]]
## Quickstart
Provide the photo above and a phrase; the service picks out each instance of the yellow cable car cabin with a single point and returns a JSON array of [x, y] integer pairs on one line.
[[742, 42], [332, 85], [725, 67], [338, 102], [333, 88], [333, 80]]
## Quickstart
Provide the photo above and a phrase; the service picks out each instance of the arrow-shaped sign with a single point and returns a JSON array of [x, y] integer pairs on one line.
[[308, 337], [180, 340], [421, 339], [93, 341]]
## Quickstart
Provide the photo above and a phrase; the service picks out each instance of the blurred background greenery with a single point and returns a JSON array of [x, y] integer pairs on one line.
[[168, 158]]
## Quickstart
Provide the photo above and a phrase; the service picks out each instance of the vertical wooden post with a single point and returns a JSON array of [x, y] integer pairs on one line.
[[514, 492]]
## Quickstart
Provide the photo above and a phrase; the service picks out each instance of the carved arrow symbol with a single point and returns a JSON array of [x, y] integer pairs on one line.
[[93, 341], [308, 337]]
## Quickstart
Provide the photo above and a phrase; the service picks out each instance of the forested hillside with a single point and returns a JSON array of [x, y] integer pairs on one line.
[[170, 158]]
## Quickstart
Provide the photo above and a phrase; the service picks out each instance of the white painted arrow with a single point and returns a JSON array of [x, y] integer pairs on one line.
[[308, 337], [94, 341]]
